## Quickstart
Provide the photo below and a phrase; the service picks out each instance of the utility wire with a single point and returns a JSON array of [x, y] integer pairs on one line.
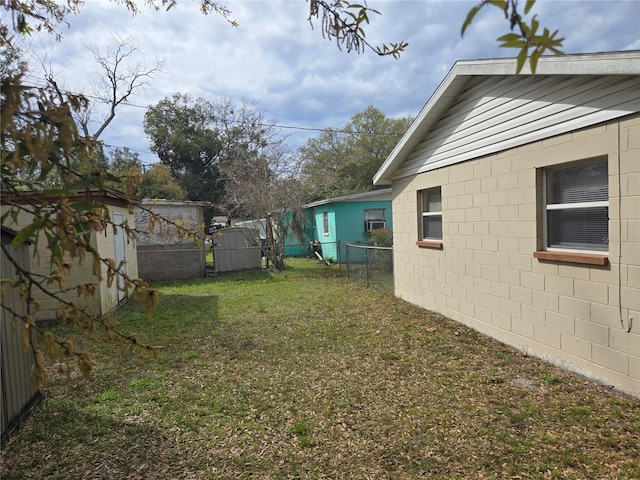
[[275, 125], [37, 83], [290, 127]]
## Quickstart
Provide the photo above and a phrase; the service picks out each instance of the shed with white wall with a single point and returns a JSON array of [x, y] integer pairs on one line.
[[112, 243]]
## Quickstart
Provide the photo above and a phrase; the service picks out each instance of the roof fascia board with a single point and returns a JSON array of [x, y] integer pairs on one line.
[[452, 84], [610, 63]]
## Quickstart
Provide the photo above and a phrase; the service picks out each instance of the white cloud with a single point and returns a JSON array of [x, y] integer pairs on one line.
[[277, 60]]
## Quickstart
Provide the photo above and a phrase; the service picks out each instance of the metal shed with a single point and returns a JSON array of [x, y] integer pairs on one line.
[[17, 395], [237, 248]]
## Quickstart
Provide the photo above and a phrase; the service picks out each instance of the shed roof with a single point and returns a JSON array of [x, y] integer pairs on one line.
[[175, 203], [374, 195], [105, 195], [463, 72]]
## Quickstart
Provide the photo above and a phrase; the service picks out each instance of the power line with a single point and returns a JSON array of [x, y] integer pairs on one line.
[[137, 150], [289, 127], [294, 127], [37, 80]]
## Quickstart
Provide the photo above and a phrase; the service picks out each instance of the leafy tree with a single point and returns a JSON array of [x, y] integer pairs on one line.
[[124, 162], [157, 182], [185, 136], [198, 138], [240, 153], [344, 161]]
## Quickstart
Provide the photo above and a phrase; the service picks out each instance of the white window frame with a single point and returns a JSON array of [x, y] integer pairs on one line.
[[428, 213], [325, 224], [567, 206]]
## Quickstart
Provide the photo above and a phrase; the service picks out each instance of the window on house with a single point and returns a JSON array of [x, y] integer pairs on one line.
[[431, 203], [576, 206], [374, 219], [325, 223]]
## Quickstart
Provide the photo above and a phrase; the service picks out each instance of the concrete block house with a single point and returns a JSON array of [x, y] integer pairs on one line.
[[516, 208]]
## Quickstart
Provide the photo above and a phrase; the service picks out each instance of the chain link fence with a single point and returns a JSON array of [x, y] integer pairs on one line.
[[372, 265]]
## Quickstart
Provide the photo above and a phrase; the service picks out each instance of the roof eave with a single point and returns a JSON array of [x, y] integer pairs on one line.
[[609, 63], [446, 92], [347, 198]]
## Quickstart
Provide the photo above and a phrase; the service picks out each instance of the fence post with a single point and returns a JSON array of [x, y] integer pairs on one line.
[[366, 262], [347, 253]]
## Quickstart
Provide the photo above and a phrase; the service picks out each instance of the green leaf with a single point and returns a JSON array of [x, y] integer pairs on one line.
[[522, 58], [528, 6], [27, 232], [501, 4], [470, 16], [83, 229], [509, 37], [534, 25], [54, 247], [512, 40], [533, 59]]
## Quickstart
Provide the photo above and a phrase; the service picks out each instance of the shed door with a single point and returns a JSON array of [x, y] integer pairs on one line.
[[121, 252]]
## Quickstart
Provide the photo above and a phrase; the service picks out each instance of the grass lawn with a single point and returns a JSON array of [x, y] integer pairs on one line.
[[304, 375]]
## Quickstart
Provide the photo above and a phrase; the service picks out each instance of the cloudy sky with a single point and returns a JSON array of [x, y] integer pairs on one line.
[[275, 59]]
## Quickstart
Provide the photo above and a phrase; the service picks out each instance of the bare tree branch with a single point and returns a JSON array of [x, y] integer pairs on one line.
[[120, 80]]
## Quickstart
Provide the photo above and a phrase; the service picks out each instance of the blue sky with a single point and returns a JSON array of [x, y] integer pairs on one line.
[[275, 59]]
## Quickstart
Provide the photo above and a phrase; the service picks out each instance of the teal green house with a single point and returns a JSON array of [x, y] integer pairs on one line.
[[350, 218]]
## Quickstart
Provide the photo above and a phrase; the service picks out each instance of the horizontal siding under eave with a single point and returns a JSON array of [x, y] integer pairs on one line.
[[504, 112], [483, 118]]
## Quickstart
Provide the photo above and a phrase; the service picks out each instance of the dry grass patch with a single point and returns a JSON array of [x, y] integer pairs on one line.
[[305, 375]]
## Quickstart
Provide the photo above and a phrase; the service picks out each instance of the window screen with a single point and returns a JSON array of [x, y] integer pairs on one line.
[[577, 206], [431, 201]]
